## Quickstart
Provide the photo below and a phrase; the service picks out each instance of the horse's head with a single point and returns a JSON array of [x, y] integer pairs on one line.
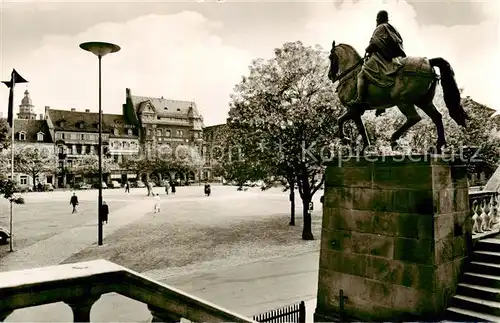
[[334, 64], [342, 57]]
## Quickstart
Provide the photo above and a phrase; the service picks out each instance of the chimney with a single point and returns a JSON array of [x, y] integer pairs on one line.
[[41, 116], [73, 109], [47, 108], [87, 110]]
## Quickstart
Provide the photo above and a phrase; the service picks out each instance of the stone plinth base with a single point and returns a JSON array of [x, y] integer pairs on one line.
[[396, 232]]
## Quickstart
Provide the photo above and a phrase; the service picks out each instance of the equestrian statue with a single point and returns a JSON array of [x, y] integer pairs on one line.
[[386, 77]]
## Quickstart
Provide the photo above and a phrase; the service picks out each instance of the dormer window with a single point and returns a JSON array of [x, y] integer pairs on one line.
[[116, 132], [39, 136], [81, 125], [22, 135], [129, 132], [158, 132], [61, 124]]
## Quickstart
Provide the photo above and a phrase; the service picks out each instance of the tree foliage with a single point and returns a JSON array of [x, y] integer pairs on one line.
[[7, 186], [281, 121], [34, 161], [162, 159], [88, 165]]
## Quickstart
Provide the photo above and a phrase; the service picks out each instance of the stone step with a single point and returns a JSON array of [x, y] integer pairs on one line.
[[484, 268], [462, 315], [477, 291], [488, 244], [486, 256], [476, 304], [481, 279]]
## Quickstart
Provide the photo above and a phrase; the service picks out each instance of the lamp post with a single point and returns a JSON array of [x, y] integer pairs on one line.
[[100, 49]]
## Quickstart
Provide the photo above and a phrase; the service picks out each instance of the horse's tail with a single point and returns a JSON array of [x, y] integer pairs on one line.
[[451, 93]]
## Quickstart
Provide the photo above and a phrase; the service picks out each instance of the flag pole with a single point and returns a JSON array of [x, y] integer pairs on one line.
[[12, 168], [14, 78]]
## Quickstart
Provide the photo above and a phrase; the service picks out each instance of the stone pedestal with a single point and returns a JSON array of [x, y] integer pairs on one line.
[[396, 231]]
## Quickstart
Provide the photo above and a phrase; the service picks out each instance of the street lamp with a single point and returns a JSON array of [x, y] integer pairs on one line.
[[100, 49]]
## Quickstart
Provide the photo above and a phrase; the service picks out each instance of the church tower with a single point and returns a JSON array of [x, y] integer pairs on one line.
[[26, 108]]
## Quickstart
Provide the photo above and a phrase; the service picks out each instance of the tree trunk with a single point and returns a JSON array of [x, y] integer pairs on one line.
[[307, 227], [292, 203]]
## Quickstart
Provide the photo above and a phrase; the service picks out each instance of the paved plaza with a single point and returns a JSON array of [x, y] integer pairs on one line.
[[234, 248]]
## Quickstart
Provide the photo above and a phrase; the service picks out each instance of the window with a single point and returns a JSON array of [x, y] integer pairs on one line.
[[62, 135], [116, 132], [39, 136], [150, 132], [124, 144], [79, 150], [80, 125], [61, 164], [82, 136], [158, 132], [167, 133], [24, 180], [180, 133], [61, 149], [129, 132], [22, 135]]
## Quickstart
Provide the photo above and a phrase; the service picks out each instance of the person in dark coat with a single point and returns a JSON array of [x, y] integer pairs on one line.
[[74, 202], [208, 190], [104, 212], [172, 185], [127, 187]]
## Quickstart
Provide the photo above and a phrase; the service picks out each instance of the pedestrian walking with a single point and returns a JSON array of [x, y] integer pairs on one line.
[[167, 187], [104, 212], [74, 202], [157, 204], [172, 185], [127, 187], [208, 190]]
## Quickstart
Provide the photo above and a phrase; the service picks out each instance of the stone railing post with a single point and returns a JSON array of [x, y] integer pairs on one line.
[[160, 315], [3, 315], [81, 308]]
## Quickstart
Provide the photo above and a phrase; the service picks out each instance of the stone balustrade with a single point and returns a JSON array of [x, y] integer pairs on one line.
[[484, 211], [80, 285]]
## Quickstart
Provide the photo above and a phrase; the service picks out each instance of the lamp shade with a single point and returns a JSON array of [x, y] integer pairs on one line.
[[100, 48]]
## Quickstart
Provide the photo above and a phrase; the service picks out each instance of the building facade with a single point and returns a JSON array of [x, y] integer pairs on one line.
[[214, 148], [30, 132], [165, 126], [75, 135]]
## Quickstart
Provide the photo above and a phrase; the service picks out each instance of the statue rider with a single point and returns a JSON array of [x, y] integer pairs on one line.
[[386, 45]]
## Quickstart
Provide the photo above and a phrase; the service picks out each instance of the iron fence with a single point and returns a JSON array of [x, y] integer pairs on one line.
[[289, 314]]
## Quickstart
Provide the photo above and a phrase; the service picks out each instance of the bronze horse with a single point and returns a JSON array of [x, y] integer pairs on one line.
[[414, 84]]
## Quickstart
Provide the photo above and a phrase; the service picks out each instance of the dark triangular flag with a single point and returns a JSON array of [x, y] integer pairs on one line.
[[14, 78]]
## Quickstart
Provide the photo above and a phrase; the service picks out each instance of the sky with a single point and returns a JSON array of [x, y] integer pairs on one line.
[[198, 50]]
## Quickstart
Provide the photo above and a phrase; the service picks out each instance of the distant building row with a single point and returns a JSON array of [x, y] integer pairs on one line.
[[146, 122]]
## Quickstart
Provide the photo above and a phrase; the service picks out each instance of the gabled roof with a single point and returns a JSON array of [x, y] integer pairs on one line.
[[90, 120], [165, 107], [72, 119], [119, 122], [31, 128]]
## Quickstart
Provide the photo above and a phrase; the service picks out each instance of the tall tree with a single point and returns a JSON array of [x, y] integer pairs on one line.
[[34, 161], [282, 118], [88, 165]]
